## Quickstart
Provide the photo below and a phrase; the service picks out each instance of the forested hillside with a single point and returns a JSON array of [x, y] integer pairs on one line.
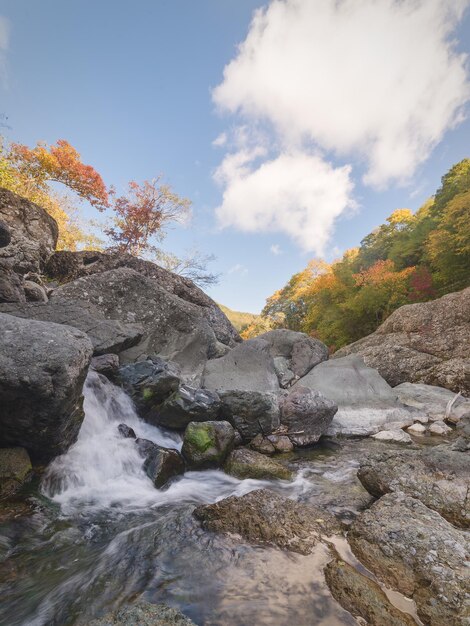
[[239, 319], [413, 257]]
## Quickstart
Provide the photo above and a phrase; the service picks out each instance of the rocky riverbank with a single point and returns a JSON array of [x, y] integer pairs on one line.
[[256, 448]]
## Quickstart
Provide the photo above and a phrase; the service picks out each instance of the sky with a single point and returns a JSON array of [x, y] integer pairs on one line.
[[294, 126]]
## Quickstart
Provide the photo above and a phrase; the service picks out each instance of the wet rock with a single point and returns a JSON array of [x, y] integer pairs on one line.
[[106, 364], [15, 470], [363, 597], [245, 463], [440, 429], [143, 614], [306, 414], [34, 292], [248, 367], [262, 445], [33, 234], [5, 234], [161, 464], [126, 431], [366, 402], [300, 352], [262, 516], [426, 342], [437, 476], [393, 436], [250, 412], [42, 371], [207, 444], [188, 404], [281, 443], [416, 429], [416, 551], [148, 383]]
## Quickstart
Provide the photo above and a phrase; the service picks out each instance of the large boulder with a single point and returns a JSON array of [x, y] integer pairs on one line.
[[295, 354], [188, 404], [11, 285], [66, 266], [33, 233], [306, 414], [437, 403], [173, 328], [15, 469], [416, 551], [426, 342], [143, 614], [250, 412], [437, 476], [366, 402], [263, 516], [244, 463], [42, 371], [207, 444], [107, 336], [248, 367]]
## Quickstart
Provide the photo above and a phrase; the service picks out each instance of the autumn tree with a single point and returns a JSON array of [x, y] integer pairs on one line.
[[141, 215]]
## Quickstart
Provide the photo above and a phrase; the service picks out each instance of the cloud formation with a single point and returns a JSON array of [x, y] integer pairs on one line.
[[378, 82], [276, 249], [4, 44]]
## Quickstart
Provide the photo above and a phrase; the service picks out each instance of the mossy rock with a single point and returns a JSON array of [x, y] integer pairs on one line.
[[207, 444], [244, 463]]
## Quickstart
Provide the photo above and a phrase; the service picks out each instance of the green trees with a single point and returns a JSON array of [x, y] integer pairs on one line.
[[413, 257]]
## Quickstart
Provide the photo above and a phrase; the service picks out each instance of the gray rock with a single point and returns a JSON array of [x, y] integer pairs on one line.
[[34, 292], [5, 234], [262, 445], [11, 286], [248, 367], [433, 401], [439, 429], [207, 444], [438, 477], [67, 266], [250, 412], [15, 470], [426, 342], [281, 443], [414, 550], [366, 402], [393, 436], [171, 327], [143, 614], [362, 596], [262, 516], [33, 233], [126, 431], [106, 364], [244, 463], [301, 351], [463, 430], [160, 464], [284, 374], [306, 414], [188, 404], [106, 335], [42, 370], [148, 383]]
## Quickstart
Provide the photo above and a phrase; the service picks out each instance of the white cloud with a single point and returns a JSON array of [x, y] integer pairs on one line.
[[276, 249], [296, 193], [220, 140], [379, 79], [238, 268], [4, 45]]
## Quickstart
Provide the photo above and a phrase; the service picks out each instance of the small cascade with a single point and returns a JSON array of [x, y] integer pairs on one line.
[[104, 469]]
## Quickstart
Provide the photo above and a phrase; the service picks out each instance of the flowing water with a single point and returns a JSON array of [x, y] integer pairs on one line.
[[100, 535]]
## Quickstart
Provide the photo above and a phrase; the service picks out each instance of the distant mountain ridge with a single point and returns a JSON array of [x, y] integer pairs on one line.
[[239, 319]]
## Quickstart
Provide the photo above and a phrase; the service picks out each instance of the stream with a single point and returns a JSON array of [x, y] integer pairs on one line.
[[96, 534]]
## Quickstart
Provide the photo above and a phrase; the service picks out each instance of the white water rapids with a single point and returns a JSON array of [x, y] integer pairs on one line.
[[104, 469]]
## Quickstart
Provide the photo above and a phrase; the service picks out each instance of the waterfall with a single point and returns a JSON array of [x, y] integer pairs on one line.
[[104, 469]]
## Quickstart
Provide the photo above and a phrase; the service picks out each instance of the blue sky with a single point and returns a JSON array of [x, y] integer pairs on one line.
[[347, 114]]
